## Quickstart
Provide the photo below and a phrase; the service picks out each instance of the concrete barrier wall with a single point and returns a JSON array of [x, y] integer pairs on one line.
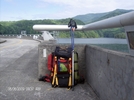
[[50, 47], [8, 36], [110, 73], [18, 36]]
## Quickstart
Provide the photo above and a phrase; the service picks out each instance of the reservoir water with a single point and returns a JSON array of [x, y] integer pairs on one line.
[[93, 40], [108, 43]]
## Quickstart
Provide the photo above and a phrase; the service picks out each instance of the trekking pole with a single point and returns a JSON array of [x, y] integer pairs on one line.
[[72, 43]]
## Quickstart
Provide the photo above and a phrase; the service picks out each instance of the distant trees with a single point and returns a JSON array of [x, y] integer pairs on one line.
[[15, 27]]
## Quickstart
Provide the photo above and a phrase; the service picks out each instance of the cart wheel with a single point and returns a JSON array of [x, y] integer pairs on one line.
[[72, 88]]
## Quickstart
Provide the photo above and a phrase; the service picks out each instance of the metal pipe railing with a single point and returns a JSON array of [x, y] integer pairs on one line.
[[54, 27], [117, 21]]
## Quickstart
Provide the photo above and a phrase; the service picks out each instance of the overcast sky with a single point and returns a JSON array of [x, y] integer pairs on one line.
[[12, 10]]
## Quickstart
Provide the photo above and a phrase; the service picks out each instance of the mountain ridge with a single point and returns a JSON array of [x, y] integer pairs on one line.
[[93, 17]]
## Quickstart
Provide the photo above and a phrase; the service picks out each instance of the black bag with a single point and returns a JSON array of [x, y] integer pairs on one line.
[[63, 80], [72, 23], [63, 52]]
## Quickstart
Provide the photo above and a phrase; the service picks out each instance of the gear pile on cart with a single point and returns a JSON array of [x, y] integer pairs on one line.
[[63, 64]]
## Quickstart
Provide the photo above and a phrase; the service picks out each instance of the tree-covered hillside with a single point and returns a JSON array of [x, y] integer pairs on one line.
[[15, 27]]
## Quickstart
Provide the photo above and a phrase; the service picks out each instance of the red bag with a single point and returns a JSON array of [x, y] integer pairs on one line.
[[50, 61], [46, 78]]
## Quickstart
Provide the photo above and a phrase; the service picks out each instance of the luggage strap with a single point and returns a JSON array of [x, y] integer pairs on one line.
[[72, 38]]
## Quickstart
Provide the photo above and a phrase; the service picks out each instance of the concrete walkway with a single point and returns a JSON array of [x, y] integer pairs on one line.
[[18, 81]]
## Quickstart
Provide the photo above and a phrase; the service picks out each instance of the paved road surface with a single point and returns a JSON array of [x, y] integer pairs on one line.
[[18, 75]]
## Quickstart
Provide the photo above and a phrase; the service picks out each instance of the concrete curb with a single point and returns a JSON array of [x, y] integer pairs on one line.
[[38, 40], [2, 41]]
